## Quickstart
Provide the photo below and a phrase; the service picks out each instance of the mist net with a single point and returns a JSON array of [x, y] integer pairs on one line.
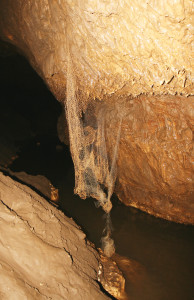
[[94, 175]]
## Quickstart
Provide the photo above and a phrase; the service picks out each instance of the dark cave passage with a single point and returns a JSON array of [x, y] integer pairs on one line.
[[29, 142]]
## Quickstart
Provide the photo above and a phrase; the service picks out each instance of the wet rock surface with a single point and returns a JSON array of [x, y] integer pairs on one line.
[[111, 277], [43, 254]]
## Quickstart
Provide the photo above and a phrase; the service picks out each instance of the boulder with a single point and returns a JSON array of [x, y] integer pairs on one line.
[[44, 254]]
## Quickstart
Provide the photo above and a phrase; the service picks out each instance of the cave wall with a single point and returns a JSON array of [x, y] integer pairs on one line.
[[155, 163], [121, 50], [129, 47]]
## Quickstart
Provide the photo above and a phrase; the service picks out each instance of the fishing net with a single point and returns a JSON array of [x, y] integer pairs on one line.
[[94, 175]]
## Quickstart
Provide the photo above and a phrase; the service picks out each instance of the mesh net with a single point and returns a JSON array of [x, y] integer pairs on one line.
[[94, 175]]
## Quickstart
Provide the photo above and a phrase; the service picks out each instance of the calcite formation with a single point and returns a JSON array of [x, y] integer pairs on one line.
[[133, 54]]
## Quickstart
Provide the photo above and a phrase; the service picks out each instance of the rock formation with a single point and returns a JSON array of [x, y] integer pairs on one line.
[[135, 58], [43, 254]]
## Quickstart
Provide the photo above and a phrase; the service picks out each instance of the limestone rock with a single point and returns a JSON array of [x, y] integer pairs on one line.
[[155, 161], [130, 47], [43, 254], [122, 49]]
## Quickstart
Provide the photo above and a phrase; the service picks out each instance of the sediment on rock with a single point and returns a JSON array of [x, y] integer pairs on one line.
[[43, 254]]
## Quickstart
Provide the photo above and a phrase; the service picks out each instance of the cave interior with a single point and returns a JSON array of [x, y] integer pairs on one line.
[[29, 143]]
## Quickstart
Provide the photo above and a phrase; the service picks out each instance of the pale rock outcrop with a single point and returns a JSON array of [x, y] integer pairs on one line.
[[43, 254]]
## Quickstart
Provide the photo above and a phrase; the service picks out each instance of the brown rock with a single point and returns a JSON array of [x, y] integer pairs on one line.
[[129, 48], [122, 49], [155, 160], [111, 277], [43, 253]]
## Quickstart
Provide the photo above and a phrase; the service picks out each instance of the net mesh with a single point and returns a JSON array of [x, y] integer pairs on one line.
[[94, 175]]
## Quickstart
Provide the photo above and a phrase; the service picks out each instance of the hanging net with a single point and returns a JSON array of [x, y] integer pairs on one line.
[[94, 175]]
